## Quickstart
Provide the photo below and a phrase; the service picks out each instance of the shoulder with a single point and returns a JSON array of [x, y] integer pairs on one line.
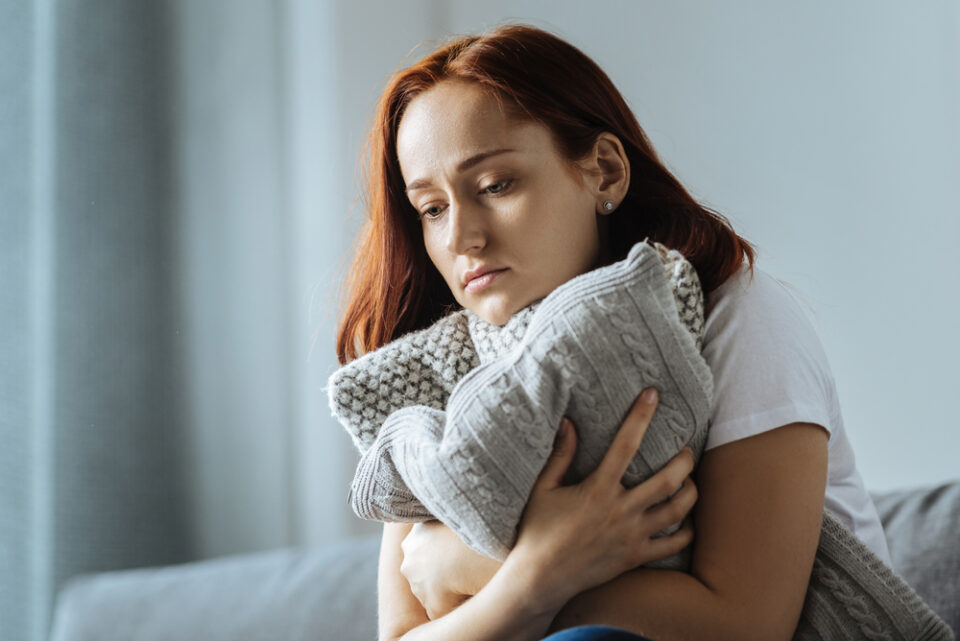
[[754, 293], [766, 357], [758, 309]]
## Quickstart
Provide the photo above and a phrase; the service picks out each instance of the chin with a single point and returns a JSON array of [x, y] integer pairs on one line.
[[501, 312], [497, 319], [497, 316]]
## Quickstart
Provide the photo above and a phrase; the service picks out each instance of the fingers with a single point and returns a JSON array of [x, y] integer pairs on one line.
[[664, 546], [560, 458], [675, 509], [662, 485], [627, 441]]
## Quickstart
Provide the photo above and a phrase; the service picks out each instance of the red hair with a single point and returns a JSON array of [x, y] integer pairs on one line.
[[393, 288]]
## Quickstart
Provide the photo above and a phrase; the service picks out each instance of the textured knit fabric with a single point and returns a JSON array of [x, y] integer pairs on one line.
[[590, 346], [474, 465]]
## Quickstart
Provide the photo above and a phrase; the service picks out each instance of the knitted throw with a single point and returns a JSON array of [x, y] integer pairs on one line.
[[456, 421]]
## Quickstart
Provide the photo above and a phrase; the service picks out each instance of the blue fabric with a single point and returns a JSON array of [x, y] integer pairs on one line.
[[594, 633]]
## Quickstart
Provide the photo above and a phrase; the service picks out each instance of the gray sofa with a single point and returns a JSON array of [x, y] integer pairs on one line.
[[328, 593]]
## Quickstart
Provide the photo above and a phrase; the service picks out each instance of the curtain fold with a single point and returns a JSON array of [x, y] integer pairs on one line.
[[90, 422], [15, 306]]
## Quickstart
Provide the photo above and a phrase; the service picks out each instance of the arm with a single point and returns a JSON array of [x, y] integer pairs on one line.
[[501, 610], [571, 538], [398, 609], [758, 522]]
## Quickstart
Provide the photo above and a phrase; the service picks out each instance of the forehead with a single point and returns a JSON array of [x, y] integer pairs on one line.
[[454, 120]]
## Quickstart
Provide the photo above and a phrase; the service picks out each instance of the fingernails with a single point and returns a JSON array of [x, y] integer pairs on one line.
[[564, 426], [649, 396]]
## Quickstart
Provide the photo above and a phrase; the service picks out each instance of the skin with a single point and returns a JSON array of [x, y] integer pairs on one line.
[[527, 211], [579, 547]]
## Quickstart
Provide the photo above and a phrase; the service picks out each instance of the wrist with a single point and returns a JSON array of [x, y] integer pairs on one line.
[[536, 592]]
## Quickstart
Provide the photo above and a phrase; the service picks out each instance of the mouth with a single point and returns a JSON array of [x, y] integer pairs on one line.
[[479, 271], [482, 279]]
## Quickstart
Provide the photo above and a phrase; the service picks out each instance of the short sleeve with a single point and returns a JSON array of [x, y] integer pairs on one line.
[[768, 364]]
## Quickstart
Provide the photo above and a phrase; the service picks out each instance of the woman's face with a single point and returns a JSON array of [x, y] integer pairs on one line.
[[519, 215]]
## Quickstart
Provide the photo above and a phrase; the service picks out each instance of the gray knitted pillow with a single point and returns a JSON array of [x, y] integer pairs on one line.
[[474, 464], [422, 367]]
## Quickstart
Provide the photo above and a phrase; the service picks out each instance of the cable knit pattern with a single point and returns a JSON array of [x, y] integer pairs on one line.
[[456, 421], [474, 467], [853, 594]]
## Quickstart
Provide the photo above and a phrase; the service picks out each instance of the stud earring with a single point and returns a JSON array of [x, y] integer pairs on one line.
[[608, 205]]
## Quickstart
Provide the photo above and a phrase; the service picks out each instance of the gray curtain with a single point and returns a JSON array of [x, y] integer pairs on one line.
[[90, 420]]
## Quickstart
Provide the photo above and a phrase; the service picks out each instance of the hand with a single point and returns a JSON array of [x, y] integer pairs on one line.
[[579, 536], [441, 570]]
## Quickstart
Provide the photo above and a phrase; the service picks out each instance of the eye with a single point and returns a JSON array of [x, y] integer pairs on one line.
[[494, 189], [503, 186], [426, 213]]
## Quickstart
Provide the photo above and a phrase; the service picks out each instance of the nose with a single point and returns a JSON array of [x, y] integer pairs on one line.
[[466, 230]]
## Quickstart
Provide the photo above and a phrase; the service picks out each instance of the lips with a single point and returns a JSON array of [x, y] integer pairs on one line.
[[480, 271], [480, 279]]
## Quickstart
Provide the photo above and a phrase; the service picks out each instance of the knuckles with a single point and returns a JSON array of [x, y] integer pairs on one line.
[[595, 492], [623, 450], [665, 486], [405, 568], [684, 536], [677, 510], [682, 463], [683, 501]]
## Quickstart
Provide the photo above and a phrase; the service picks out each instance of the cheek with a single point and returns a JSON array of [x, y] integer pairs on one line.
[[439, 258], [573, 247], [430, 244]]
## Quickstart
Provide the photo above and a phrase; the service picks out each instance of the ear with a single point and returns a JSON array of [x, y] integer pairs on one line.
[[609, 170]]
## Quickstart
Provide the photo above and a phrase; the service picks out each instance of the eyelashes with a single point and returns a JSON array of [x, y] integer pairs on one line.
[[505, 183], [504, 186]]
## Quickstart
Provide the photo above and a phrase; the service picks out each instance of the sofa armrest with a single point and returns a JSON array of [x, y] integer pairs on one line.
[[304, 594]]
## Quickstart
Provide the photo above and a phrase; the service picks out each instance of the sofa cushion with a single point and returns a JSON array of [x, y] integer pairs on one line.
[[923, 532]]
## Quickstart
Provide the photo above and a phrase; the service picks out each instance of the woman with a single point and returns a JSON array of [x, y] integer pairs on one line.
[[502, 166]]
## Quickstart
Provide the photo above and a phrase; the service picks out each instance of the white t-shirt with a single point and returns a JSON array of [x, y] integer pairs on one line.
[[770, 370]]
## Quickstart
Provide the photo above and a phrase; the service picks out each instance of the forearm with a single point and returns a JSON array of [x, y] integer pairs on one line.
[[758, 524], [664, 605], [508, 608]]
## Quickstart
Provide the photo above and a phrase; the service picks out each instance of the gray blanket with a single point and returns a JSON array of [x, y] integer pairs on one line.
[[456, 421]]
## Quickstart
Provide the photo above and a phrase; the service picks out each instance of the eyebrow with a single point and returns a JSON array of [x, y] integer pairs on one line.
[[462, 167]]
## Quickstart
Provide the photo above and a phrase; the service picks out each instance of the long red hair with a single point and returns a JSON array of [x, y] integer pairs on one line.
[[393, 288]]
